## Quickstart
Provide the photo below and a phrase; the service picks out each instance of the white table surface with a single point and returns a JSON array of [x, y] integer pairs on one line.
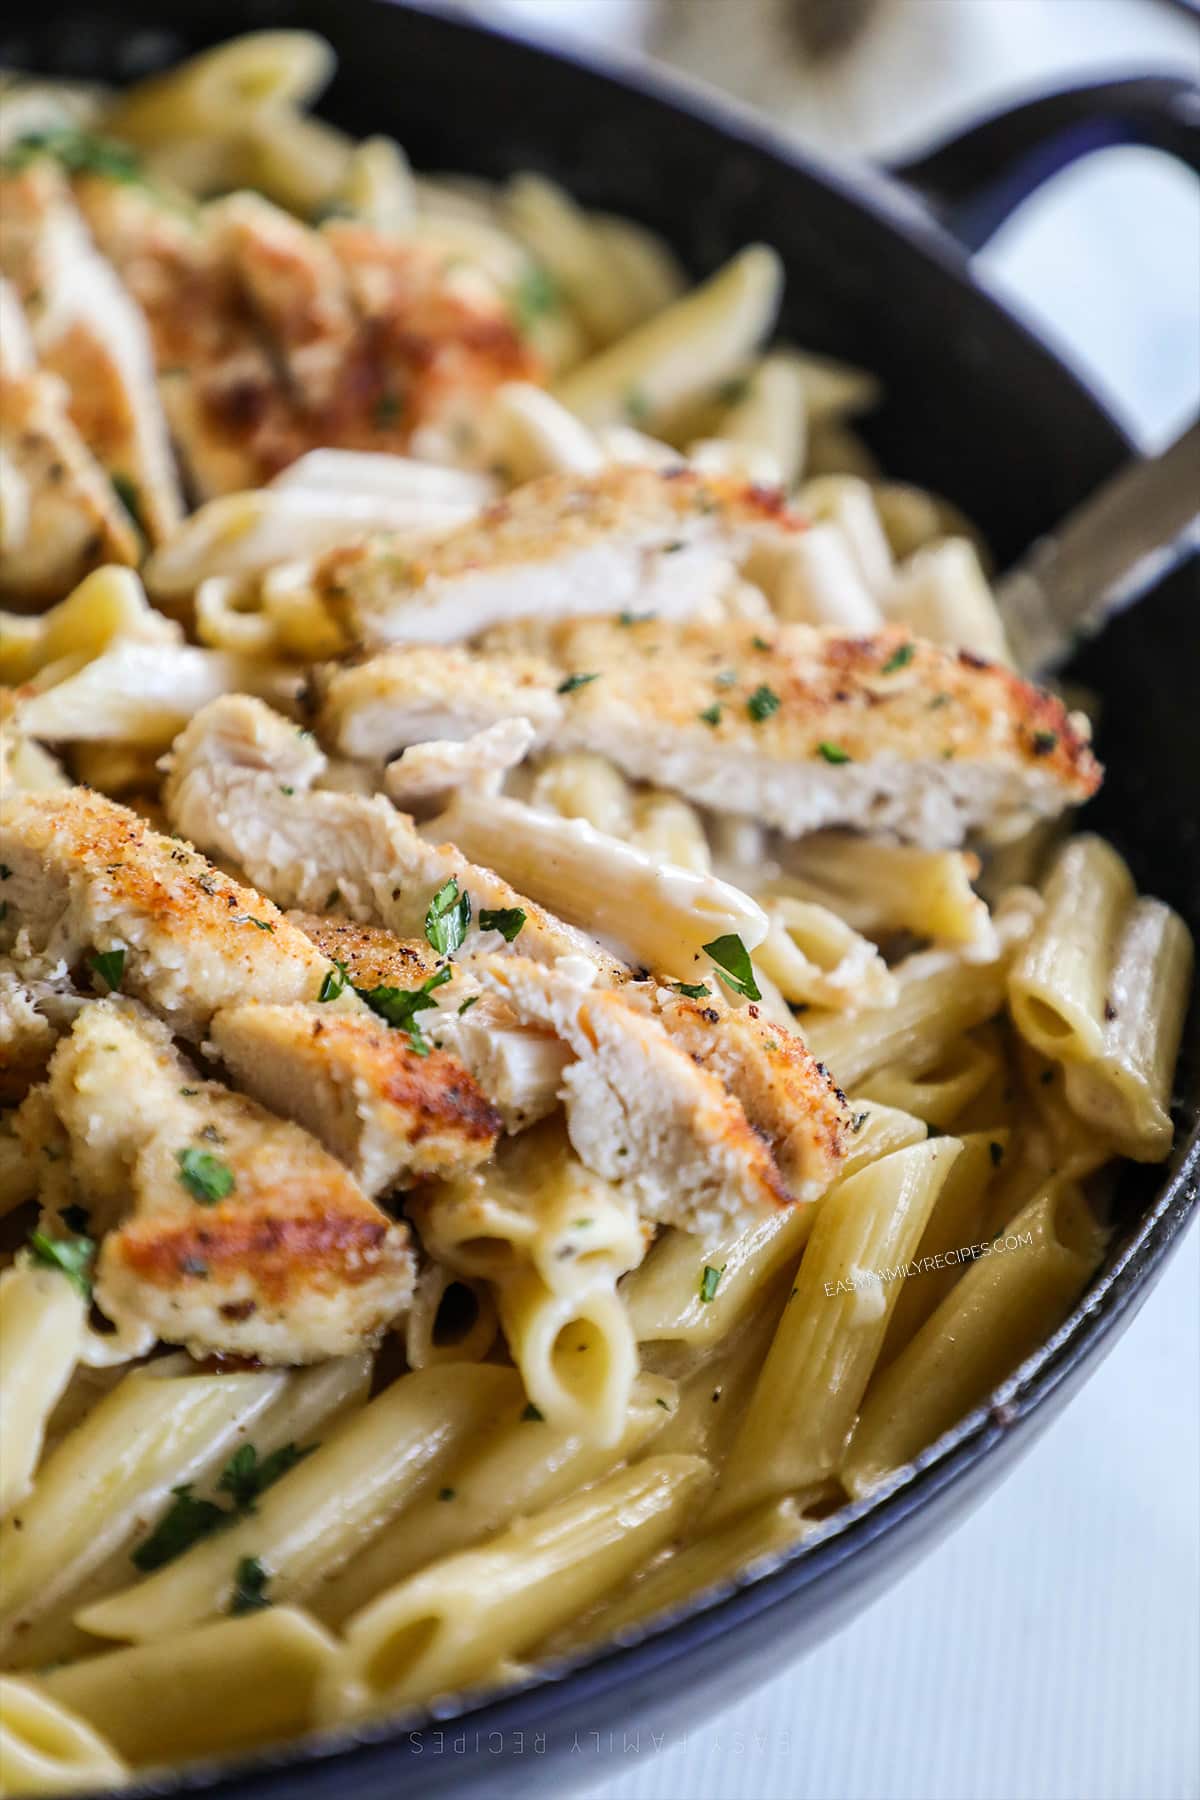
[[1051, 1649]]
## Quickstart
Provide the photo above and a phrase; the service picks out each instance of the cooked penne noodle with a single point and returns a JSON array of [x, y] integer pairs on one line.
[[667, 1297], [671, 361], [815, 958], [377, 185], [943, 593], [818, 582], [1058, 985], [452, 1319], [321, 1512], [576, 1353], [833, 1327], [520, 1466], [217, 89], [538, 436], [770, 413], [958, 1220], [882, 887], [579, 784], [42, 1316], [448, 1627], [669, 830], [46, 1748], [941, 1093], [846, 503], [660, 915], [223, 1687], [563, 239], [994, 1316], [652, 273], [112, 1476], [1125, 1093], [108, 606]]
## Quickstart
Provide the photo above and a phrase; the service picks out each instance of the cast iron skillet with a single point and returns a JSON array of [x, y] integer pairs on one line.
[[977, 408]]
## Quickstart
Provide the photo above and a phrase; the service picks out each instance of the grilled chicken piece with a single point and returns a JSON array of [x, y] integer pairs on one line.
[[241, 782], [639, 1109], [562, 546], [87, 329], [231, 415], [518, 1066], [803, 728], [385, 1111], [26, 1037], [230, 1231], [787, 1095], [59, 514], [272, 339], [374, 709], [90, 879]]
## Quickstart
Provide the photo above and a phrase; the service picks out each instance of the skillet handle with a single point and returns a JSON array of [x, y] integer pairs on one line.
[[975, 181]]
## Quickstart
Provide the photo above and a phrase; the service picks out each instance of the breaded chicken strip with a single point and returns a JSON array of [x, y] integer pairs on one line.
[[624, 539], [229, 1231]]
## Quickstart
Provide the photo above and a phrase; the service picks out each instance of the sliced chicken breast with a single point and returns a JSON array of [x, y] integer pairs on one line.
[[639, 1109], [88, 329], [92, 884], [625, 539], [242, 782], [26, 1037], [237, 1234], [386, 1111], [374, 709], [519, 1066], [802, 728], [59, 513]]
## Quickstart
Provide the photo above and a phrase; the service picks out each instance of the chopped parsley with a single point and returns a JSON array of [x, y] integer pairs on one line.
[[734, 391], [284, 789], [536, 294], [334, 982], [533, 1414], [762, 703], [206, 1178], [130, 496], [448, 917], [692, 990], [760, 643], [447, 1493], [570, 682], [712, 714], [109, 966], [467, 1004], [665, 1404], [77, 151], [71, 1256], [734, 967], [398, 1007], [249, 919], [387, 411], [637, 406], [833, 753], [507, 920], [901, 656], [184, 1523], [1044, 742], [249, 1594], [632, 618], [247, 1475], [710, 1281]]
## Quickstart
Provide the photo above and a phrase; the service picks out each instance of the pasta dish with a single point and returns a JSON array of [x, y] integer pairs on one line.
[[554, 1029]]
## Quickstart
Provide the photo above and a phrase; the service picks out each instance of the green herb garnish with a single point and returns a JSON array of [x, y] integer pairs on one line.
[[762, 703], [78, 151], [334, 982], [71, 1256], [833, 753], [535, 295], [387, 411], [710, 1281], [247, 1475], [184, 1523], [448, 917], [901, 656], [1044, 742], [130, 496], [507, 920], [398, 1007], [692, 990], [249, 1587], [206, 1178], [109, 966], [249, 919], [533, 1414], [711, 714], [569, 684], [734, 967], [467, 1004]]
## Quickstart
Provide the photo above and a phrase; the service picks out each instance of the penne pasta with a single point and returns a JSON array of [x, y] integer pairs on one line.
[[42, 1315], [994, 1316], [943, 594], [45, 1748], [576, 1352], [1058, 985]]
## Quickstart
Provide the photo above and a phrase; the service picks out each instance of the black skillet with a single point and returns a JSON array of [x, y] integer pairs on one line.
[[976, 407]]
